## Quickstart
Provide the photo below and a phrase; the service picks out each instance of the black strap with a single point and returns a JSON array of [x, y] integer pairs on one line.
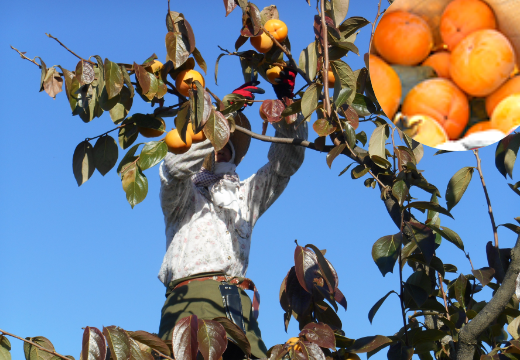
[[232, 304]]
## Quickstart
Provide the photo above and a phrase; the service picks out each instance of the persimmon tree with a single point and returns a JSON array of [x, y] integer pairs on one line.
[[440, 317]]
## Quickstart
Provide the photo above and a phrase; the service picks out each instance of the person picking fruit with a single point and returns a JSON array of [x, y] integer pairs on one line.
[[210, 214]]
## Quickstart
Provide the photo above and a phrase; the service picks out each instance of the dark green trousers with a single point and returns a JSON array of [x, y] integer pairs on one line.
[[203, 299]]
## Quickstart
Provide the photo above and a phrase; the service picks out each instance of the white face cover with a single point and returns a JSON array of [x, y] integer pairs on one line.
[[226, 167]]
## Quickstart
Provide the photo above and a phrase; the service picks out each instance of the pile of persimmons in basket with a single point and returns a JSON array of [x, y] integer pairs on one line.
[[474, 62]]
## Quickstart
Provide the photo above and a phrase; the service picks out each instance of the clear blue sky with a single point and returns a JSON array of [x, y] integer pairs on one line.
[[72, 257]]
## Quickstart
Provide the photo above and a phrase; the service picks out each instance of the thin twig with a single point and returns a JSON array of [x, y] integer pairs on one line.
[[25, 57], [325, 67], [278, 140], [170, 13], [72, 52], [289, 56], [441, 286], [470, 262], [374, 25], [160, 353], [401, 287], [109, 131], [2, 332], [490, 210]]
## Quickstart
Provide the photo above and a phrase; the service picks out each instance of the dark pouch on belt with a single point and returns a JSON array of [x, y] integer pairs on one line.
[[232, 304]]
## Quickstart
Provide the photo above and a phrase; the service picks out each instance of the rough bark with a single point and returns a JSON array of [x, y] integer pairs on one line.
[[469, 334]]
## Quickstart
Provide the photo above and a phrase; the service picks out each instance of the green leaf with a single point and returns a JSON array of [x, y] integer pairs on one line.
[[450, 268], [212, 339], [377, 305], [121, 108], [136, 353], [177, 48], [127, 81], [410, 76], [351, 25], [424, 237], [134, 184], [510, 154], [359, 171], [105, 154], [433, 216], [339, 10], [293, 108], [460, 289], [33, 353], [350, 135], [197, 107], [458, 185], [83, 162], [419, 287], [425, 205], [200, 60], [513, 328], [500, 154], [71, 86], [363, 105], [362, 137], [400, 191], [152, 153], [345, 169], [435, 263], [384, 252], [400, 351], [323, 127], [118, 342], [448, 234], [346, 77], [216, 67], [310, 99], [217, 130], [515, 187], [377, 142], [5, 348], [309, 60], [128, 133], [341, 97], [128, 158], [484, 275], [113, 78], [182, 120], [369, 343], [43, 68], [512, 227], [428, 335], [334, 153]]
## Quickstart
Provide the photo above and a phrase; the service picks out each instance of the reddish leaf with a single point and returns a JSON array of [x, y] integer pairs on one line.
[[230, 5], [306, 267], [323, 127], [212, 339], [188, 31], [284, 300], [236, 333], [184, 339], [150, 340], [138, 353], [217, 130], [142, 77], [311, 351], [319, 334], [251, 21], [404, 156], [340, 298], [240, 41], [299, 299], [271, 110], [333, 154], [94, 346], [351, 115]]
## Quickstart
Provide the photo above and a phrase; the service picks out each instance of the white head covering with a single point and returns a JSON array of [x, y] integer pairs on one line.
[[229, 167]]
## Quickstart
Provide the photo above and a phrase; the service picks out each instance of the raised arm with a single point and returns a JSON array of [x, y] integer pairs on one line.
[[263, 188], [175, 174]]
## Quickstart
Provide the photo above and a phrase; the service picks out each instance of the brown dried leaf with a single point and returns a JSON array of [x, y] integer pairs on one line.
[[53, 83], [230, 5], [323, 127], [84, 72], [142, 78]]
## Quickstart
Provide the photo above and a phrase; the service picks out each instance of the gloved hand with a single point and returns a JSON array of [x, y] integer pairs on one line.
[[285, 84], [248, 90]]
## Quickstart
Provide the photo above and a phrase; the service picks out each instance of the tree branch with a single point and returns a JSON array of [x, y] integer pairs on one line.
[[72, 52], [25, 57], [441, 286], [374, 25], [325, 60], [469, 333], [490, 210], [2, 332]]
